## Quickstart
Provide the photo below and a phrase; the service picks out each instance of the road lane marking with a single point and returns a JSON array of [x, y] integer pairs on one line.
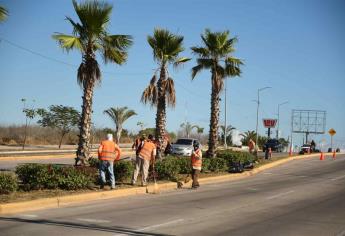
[[267, 173], [29, 216], [93, 220], [160, 225], [279, 195], [253, 189], [340, 177]]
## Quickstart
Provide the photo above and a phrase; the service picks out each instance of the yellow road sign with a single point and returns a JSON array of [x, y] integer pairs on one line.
[[332, 132]]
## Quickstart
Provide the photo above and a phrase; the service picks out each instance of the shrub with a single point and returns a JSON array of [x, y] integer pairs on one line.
[[123, 170], [168, 168], [235, 157], [93, 162], [206, 164], [8, 183], [218, 165], [39, 176]]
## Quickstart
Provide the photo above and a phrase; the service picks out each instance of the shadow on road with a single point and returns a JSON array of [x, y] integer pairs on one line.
[[112, 229]]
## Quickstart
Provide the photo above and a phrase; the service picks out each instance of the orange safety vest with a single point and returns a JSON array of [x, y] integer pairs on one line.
[[108, 151], [146, 150], [197, 158]]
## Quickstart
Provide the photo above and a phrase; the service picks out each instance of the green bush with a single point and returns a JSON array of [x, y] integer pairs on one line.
[[8, 183], [206, 164], [235, 157], [168, 168], [218, 165], [93, 162], [40, 176], [123, 170]]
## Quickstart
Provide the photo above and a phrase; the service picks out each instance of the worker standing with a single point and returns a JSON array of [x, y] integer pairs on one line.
[[137, 145], [196, 164], [251, 145], [146, 155], [108, 152]]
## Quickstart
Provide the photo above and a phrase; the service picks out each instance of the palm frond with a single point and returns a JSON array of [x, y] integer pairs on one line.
[[200, 51], [3, 14], [88, 72], [114, 48], [119, 115], [150, 94], [169, 88], [68, 42], [179, 61], [94, 16], [232, 66]]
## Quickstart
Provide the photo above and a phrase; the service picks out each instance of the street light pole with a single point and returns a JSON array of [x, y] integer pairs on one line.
[[278, 116], [225, 144], [257, 113]]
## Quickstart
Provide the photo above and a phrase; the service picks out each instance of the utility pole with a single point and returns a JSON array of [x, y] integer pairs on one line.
[[278, 117], [225, 133], [257, 113]]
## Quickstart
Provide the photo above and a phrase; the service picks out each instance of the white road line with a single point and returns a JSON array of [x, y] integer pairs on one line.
[[253, 189], [93, 220], [340, 177], [279, 195], [29, 216], [160, 225], [267, 173]]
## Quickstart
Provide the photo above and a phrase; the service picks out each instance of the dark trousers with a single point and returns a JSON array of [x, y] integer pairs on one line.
[[195, 176]]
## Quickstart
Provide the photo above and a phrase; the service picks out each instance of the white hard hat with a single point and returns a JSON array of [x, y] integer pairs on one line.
[[110, 137]]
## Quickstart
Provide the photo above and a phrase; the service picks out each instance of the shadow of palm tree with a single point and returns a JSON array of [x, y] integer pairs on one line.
[[111, 229]]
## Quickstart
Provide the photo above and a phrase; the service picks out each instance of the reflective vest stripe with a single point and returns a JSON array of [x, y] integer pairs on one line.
[[108, 151], [197, 158]]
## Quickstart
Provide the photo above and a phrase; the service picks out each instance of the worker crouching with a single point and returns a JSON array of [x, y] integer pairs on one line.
[[108, 152], [196, 159]]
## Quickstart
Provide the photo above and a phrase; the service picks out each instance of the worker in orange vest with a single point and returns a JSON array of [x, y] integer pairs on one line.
[[251, 145], [138, 143], [196, 164], [108, 152], [146, 155]]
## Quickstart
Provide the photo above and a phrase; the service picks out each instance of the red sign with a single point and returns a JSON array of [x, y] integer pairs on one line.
[[270, 123]]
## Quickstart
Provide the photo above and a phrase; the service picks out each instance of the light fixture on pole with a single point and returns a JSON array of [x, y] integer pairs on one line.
[[257, 113], [283, 103]]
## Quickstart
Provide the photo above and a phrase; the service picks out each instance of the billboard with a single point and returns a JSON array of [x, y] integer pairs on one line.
[[308, 121]]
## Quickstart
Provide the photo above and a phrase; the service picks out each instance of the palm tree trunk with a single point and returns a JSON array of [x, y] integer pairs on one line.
[[62, 135], [85, 122], [212, 139], [161, 107], [118, 132]]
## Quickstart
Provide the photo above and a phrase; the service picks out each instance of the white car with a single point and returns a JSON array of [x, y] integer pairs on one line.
[[183, 146]]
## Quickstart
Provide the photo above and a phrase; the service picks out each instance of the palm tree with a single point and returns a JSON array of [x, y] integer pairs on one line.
[[91, 36], [3, 14], [216, 56], [119, 115], [229, 128], [188, 127], [247, 136], [160, 93]]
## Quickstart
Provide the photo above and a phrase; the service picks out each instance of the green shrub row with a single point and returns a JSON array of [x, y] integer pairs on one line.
[[8, 183], [40, 176], [236, 157]]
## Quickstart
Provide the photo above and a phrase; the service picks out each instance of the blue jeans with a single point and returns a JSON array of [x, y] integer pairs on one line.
[[107, 166]]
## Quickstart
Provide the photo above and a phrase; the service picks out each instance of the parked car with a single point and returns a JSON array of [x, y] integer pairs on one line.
[[306, 148], [183, 146], [274, 144]]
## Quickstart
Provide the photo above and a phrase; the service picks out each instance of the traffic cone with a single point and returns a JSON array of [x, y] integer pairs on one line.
[[321, 156], [333, 155]]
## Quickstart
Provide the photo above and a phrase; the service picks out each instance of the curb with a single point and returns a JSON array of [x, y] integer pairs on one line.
[[51, 156], [56, 202]]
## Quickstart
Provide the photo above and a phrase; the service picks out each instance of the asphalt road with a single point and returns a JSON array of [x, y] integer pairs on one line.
[[302, 197]]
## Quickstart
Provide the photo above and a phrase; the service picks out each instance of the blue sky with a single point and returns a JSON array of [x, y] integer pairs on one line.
[[296, 47]]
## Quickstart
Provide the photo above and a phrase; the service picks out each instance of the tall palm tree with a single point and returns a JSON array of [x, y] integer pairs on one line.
[[160, 93], [90, 36], [3, 13], [119, 115], [215, 55]]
